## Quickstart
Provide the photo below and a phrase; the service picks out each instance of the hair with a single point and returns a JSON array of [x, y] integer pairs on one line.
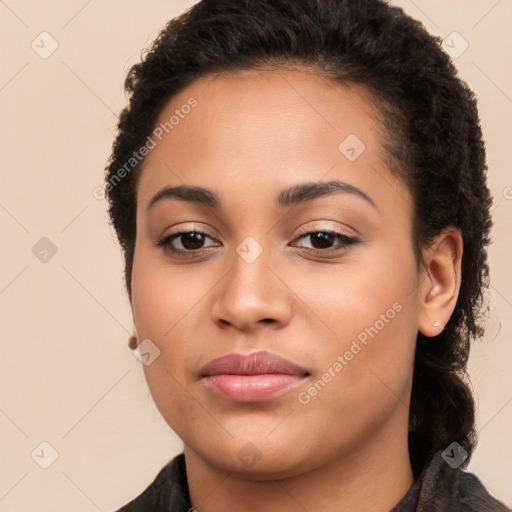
[[431, 135]]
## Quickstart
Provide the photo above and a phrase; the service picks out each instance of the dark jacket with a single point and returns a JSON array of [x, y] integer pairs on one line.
[[438, 489]]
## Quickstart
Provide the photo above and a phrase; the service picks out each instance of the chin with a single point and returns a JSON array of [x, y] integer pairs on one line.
[[256, 457]]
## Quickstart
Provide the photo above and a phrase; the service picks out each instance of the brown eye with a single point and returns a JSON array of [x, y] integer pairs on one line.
[[192, 240], [189, 241], [322, 241]]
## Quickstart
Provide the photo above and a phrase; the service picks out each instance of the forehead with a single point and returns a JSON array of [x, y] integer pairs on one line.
[[254, 132]]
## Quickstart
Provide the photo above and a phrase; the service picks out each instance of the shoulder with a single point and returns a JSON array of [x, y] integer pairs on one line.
[[168, 491], [473, 496], [454, 490]]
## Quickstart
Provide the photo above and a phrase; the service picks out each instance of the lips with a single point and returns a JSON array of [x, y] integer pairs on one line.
[[255, 377], [257, 363]]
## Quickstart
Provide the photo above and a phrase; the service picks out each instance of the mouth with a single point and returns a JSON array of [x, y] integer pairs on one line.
[[255, 377]]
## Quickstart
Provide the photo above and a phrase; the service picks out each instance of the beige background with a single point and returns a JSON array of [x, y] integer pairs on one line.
[[67, 376]]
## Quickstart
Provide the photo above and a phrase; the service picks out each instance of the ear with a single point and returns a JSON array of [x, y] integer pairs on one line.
[[440, 282]]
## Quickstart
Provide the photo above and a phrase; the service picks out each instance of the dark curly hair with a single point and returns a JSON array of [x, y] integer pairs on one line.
[[431, 135]]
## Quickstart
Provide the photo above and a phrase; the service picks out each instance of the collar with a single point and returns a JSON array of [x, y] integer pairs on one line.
[[439, 488]]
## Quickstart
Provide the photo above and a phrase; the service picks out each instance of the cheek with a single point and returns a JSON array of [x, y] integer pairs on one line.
[[160, 306], [163, 301], [366, 288], [365, 317], [163, 296]]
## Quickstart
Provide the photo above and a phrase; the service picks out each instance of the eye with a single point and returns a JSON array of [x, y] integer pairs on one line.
[[322, 241], [193, 241], [190, 242]]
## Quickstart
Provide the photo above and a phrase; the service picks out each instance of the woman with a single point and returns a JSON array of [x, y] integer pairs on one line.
[[299, 189]]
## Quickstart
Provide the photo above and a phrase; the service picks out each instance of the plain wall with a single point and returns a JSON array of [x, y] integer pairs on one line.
[[67, 376]]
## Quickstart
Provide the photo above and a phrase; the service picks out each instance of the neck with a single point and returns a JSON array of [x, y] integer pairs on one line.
[[373, 477]]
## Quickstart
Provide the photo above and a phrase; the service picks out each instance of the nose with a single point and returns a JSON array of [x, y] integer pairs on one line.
[[251, 296]]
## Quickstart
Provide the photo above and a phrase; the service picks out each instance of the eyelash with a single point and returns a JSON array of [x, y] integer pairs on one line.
[[165, 242]]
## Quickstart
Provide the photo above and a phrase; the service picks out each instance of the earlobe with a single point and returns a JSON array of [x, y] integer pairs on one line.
[[133, 342], [440, 282]]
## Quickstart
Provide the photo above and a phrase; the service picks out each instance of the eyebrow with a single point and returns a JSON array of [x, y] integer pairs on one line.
[[296, 194]]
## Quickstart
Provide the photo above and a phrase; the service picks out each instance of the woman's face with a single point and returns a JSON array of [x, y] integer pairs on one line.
[[266, 277]]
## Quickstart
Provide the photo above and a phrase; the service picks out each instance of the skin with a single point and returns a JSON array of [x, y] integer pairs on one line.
[[251, 135]]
